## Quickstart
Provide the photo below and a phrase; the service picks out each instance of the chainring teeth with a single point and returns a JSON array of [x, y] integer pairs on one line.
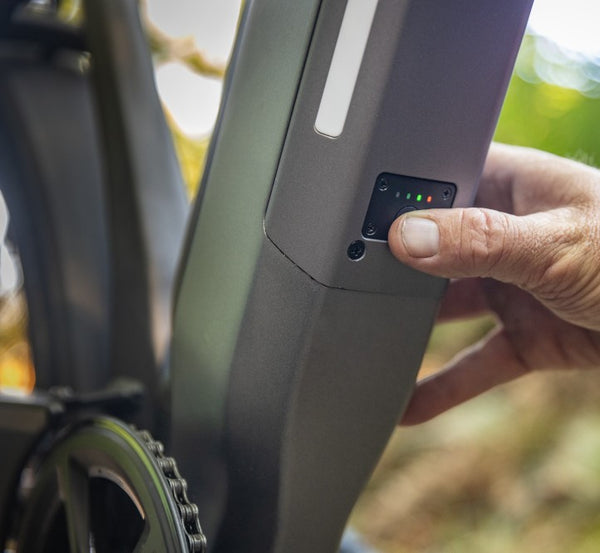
[[188, 511]]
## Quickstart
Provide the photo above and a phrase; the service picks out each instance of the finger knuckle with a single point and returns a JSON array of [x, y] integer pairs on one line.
[[483, 239]]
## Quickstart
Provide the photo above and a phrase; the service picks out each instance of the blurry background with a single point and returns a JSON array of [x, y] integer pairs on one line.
[[516, 470]]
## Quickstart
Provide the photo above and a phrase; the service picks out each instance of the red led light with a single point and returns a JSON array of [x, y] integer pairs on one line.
[[428, 199]]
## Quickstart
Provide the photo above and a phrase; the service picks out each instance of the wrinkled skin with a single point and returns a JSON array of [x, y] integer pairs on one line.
[[529, 252]]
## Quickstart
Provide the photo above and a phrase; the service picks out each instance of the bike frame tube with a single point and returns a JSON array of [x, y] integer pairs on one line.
[[146, 204], [291, 361]]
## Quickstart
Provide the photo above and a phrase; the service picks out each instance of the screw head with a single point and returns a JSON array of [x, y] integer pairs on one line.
[[356, 250], [446, 193], [371, 229], [383, 184]]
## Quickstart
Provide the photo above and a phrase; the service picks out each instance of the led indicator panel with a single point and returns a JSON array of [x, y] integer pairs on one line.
[[396, 194]]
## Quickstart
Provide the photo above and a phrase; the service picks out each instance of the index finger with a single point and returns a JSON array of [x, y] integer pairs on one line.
[[522, 181], [464, 298], [491, 362]]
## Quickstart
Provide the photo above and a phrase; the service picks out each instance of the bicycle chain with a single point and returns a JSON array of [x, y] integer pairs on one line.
[[188, 511]]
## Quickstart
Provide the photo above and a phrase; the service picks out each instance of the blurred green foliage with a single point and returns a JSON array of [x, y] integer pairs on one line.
[[543, 115]]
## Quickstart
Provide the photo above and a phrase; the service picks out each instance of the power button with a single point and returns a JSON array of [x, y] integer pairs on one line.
[[405, 210]]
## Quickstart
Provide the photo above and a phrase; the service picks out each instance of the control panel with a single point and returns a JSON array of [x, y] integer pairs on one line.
[[394, 195]]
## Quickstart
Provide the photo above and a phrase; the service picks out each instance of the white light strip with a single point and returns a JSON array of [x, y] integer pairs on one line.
[[345, 64]]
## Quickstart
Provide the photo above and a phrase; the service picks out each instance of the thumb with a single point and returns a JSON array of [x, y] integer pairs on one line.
[[478, 242]]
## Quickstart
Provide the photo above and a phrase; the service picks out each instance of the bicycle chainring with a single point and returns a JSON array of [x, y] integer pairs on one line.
[[105, 487]]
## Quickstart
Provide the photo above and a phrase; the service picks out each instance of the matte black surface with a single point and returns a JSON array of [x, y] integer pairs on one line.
[[146, 203], [394, 195], [52, 183], [22, 423]]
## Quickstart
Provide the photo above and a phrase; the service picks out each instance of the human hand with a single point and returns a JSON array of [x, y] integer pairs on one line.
[[531, 256]]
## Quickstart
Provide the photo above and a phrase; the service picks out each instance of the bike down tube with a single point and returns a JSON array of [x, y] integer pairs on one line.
[[297, 335]]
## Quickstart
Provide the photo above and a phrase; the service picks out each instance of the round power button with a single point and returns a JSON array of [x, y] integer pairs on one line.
[[404, 210]]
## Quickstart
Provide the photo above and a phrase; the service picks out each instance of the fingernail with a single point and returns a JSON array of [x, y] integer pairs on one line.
[[421, 236]]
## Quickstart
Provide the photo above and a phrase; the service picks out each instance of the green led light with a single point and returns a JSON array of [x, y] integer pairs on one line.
[[419, 197], [408, 196]]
